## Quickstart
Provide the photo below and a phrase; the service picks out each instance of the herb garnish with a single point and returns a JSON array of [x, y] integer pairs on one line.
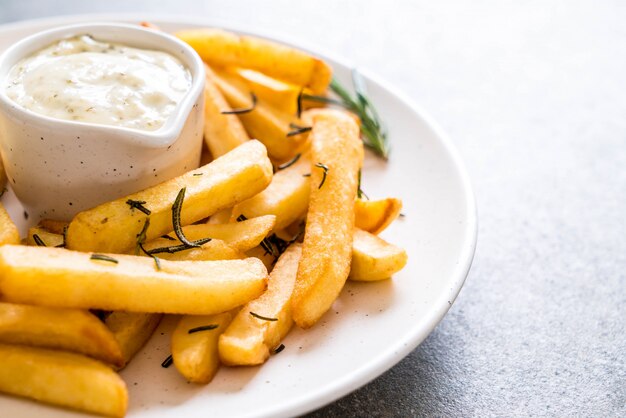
[[297, 130], [290, 162], [141, 236], [360, 193], [178, 230], [325, 168], [103, 257], [374, 133], [197, 174], [279, 348], [202, 328], [241, 218], [244, 110], [168, 237], [167, 362], [265, 318], [139, 205], [176, 248], [39, 241]]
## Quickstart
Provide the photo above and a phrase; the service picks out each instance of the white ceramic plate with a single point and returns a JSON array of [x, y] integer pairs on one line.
[[371, 326]]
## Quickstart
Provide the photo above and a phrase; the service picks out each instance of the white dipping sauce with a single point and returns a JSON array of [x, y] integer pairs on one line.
[[85, 80]]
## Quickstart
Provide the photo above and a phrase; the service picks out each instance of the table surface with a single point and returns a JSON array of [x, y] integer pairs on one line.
[[533, 94]]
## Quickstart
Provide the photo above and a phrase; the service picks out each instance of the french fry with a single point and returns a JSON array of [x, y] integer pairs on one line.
[[375, 215], [261, 253], [374, 258], [62, 278], [287, 196], [265, 123], [248, 340], [64, 329], [327, 248], [282, 96], [226, 49], [131, 330], [113, 227], [222, 132], [221, 217], [49, 239], [61, 378], [241, 236], [194, 348], [53, 226], [8, 231]]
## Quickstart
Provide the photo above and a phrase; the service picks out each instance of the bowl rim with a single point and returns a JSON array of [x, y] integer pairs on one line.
[[163, 136]]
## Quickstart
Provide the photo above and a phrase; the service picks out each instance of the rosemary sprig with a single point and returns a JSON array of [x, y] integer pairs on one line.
[[325, 168], [243, 110], [374, 133], [290, 162], [178, 230], [39, 241], [203, 328], [139, 205], [265, 318], [103, 257], [297, 129]]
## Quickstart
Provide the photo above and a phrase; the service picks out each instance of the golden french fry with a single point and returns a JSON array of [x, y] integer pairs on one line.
[[282, 96], [374, 258], [248, 340], [221, 217], [8, 231], [49, 239], [53, 226], [58, 277], [375, 215], [226, 49], [64, 329], [261, 253], [61, 378], [327, 250], [114, 226], [194, 345], [222, 132], [265, 123], [242, 236], [287, 196], [131, 330]]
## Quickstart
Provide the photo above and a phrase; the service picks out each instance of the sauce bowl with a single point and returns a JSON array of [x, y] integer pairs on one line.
[[60, 167]]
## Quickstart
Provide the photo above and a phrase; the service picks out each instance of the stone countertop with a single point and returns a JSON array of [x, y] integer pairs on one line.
[[533, 94]]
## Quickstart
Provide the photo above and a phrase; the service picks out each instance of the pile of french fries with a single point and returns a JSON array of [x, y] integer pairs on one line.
[[263, 236]]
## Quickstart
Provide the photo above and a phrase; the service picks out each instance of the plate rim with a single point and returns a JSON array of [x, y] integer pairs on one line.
[[424, 327]]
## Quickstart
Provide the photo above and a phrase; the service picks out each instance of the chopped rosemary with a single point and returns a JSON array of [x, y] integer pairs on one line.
[[290, 162], [176, 248], [139, 205], [267, 246], [168, 237], [306, 175], [202, 328], [39, 241], [197, 174], [103, 257], [297, 130], [141, 236], [279, 349], [241, 218], [178, 230], [325, 168], [360, 193], [167, 362], [265, 318], [243, 110]]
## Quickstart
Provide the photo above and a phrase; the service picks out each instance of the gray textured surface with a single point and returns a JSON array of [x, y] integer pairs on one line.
[[534, 95]]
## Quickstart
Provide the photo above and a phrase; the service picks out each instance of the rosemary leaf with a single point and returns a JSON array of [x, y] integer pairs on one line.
[[325, 168], [203, 328], [139, 205], [39, 241], [244, 110], [265, 318], [103, 257], [178, 230], [290, 162]]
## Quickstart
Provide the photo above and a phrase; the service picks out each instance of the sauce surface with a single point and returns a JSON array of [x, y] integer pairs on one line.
[[85, 80]]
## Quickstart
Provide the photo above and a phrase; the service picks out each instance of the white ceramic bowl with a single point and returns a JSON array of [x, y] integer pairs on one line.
[[59, 167]]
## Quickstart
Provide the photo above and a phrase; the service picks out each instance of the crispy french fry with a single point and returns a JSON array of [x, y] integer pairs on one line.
[[61, 378], [222, 132], [261, 253], [287, 196], [226, 49], [131, 330], [242, 236], [327, 248], [194, 349], [64, 329], [249, 340], [375, 215], [374, 258], [265, 123], [58, 277], [282, 96], [49, 239], [53, 226], [114, 226], [221, 217], [8, 231]]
